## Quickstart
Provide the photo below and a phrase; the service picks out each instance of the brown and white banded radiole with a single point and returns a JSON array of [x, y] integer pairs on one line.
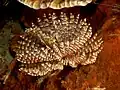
[[55, 4], [55, 42]]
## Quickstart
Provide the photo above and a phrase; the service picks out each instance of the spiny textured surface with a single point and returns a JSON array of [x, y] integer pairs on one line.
[[55, 4], [56, 42]]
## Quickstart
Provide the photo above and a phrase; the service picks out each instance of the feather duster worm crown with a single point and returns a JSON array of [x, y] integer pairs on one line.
[[55, 42], [55, 4]]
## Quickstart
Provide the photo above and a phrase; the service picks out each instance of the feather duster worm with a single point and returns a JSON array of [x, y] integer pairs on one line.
[[55, 42], [55, 4]]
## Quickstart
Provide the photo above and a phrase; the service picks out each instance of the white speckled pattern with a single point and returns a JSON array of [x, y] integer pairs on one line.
[[57, 42]]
